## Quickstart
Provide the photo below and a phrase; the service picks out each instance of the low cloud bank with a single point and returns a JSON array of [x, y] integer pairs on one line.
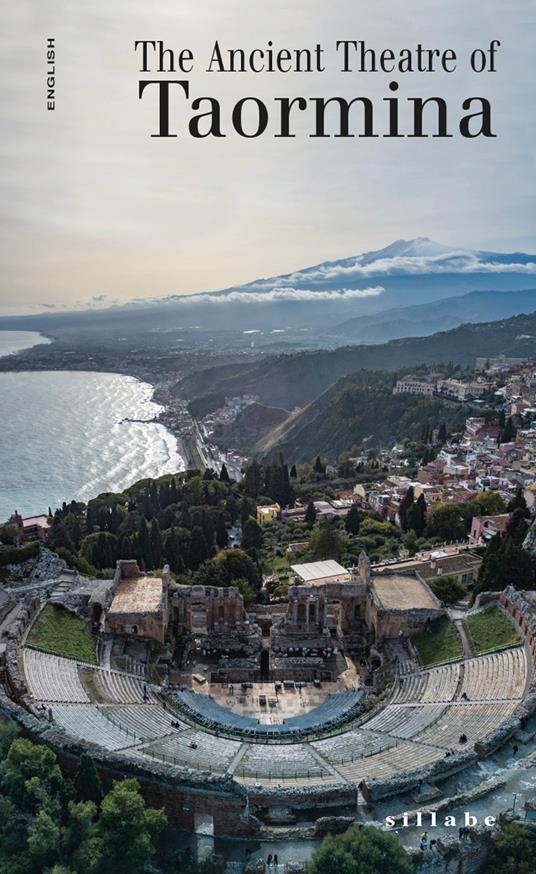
[[454, 262], [281, 294]]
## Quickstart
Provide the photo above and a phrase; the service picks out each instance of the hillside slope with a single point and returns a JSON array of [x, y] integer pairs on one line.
[[359, 408], [251, 424]]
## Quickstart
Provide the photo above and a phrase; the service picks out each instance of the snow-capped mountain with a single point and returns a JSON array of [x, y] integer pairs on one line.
[[417, 257], [367, 277]]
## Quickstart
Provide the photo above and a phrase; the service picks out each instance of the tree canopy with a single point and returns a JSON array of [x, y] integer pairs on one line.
[[513, 851], [48, 824], [360, 850]]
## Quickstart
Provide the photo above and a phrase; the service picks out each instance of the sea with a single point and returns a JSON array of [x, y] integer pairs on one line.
[[72, 435]]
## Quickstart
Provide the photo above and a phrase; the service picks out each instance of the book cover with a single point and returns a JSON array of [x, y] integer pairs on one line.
[[268, 437]]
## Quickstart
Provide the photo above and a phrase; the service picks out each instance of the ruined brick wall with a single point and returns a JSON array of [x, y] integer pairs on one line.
[[390, 623], [303, 797], [152, 625], [523, 613], [216, 606]]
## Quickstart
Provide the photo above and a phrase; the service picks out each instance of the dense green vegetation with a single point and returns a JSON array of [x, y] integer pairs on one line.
[[513, 851], [58, 631], [360, 850], [48, 824], [490, 629], [448, 589], [438, 644], [183, 519], [18, 555], [505, 563], [360, 406]]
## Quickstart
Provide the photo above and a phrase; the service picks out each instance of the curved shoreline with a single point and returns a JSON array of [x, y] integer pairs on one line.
[[193, 450], [42, 340], [169, 454]]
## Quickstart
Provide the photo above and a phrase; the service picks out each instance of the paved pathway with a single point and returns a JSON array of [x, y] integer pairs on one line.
[[457, 618], [467, 648]]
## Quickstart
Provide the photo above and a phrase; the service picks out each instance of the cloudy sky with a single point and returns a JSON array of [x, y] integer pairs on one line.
[[93, 210]]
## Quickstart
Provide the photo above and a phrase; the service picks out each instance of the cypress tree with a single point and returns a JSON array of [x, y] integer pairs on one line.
[[100, 553], [404, 507], [442, 434], [87, 784], [143, 545], [222, 538], [352, 521], [125, 547], [251, 536], [319, 468], [253, 477], [198, 551], [156, 544], [417, 515], [310, 514]]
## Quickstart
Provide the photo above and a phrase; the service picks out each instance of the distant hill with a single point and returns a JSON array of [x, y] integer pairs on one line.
[[440, 315], [290, 381]]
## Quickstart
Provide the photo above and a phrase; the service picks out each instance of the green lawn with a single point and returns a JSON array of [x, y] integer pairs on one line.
[[62, 633], [276, 564], [491, 629], [89, 682], [441, 644]]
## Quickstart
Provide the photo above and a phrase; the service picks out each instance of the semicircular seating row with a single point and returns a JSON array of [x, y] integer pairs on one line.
[[422, 722]]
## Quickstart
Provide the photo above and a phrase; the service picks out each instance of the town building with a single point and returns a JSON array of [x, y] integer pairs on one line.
[[267, 514], [452, 562], [483, 528], [412, 385], [318, 573], [29, 528]]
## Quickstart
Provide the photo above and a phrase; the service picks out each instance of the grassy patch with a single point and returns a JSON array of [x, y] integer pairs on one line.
[[62, 633], [440, 644], [277, 564], [491, 629], [89, 682]]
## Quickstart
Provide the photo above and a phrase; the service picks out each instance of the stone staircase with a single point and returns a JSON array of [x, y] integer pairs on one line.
[[403, 661]]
